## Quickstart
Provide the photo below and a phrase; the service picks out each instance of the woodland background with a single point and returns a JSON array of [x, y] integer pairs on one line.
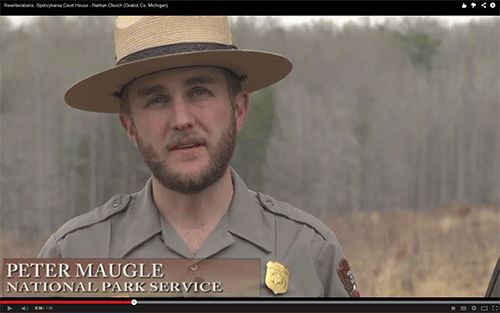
[[388, 133]]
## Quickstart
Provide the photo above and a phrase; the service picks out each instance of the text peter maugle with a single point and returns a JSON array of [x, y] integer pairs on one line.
[[90, 270]]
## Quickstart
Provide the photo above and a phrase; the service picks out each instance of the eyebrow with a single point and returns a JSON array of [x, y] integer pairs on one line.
[[150, 90], [202, 79]]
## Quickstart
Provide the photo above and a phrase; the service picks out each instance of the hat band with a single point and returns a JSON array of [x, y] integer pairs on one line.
[[172, 49]]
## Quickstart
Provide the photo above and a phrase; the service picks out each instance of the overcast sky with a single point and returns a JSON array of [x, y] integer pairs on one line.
[[339, 20]]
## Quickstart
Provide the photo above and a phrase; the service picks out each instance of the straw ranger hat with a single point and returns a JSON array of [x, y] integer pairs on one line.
[[148, 44]]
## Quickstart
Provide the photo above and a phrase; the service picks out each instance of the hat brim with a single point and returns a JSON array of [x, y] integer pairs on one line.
[[95, 93]]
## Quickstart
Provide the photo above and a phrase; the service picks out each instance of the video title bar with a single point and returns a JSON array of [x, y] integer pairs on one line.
[[483, 8]]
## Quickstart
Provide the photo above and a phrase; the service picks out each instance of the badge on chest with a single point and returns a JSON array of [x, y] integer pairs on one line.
[[277, 277]]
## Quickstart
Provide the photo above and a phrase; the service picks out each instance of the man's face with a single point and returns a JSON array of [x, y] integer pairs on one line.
[[185, 125]]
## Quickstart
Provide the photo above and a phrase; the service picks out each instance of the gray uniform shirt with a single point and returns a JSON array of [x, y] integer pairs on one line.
[[255, 226]]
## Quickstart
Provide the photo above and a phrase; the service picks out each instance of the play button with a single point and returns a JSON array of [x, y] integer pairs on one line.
[[9, 308]]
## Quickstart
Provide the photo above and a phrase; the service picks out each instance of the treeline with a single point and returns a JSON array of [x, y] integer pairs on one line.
[[404, 114]]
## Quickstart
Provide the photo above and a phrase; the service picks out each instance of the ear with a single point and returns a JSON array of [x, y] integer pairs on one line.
[[128, 126], [242, 101]]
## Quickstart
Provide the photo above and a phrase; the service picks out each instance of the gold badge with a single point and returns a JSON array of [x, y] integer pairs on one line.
[[277, 277]]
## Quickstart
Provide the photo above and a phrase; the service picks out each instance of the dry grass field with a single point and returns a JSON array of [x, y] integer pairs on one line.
[[445, 252]]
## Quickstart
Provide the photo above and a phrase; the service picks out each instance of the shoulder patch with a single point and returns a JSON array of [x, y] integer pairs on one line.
[[114, 205], [347, 278], [289, 211]]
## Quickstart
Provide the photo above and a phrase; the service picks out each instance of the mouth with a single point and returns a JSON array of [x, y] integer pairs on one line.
[[186, 145]]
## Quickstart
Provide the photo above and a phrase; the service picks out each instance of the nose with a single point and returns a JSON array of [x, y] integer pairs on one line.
[[182, 117]]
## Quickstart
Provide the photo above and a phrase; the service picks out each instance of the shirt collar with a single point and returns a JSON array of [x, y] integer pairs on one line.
[[245, 218], [144, 220]]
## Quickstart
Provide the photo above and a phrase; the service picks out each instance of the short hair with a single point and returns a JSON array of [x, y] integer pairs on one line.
[[233, 83]]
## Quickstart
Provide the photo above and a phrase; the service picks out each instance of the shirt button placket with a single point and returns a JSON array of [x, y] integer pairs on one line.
[[193, 268]]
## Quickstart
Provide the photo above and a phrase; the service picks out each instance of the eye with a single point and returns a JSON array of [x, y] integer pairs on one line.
[[200, 92], [159, 100]]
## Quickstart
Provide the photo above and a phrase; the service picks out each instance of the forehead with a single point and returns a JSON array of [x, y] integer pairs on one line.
[[177, 75]]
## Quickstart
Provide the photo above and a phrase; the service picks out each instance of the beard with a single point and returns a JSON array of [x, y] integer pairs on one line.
[[219, 159]]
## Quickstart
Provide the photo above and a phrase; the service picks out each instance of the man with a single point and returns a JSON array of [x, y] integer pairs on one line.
[[493, 289], [181, 89]]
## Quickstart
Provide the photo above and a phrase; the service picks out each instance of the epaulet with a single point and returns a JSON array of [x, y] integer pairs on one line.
[[287, 210], [114, 205]]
